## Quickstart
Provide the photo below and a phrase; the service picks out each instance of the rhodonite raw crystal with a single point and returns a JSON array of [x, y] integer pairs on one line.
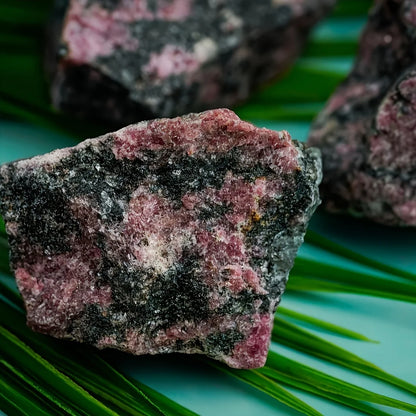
[[367, 132], [167, 235], [128, 60]]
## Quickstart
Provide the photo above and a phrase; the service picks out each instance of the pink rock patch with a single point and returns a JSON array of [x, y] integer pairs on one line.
[[171, 61], [94, 34], [59, 287], [253, 350], [174, 10]]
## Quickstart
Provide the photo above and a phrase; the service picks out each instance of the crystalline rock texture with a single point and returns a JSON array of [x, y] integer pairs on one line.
[[367, 132], [129, 60], [171, 235]]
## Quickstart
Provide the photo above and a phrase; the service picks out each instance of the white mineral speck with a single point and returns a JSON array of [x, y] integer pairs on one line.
[[205, 50]]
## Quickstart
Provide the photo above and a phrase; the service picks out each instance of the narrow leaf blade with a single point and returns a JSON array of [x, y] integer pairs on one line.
[[318, 323]]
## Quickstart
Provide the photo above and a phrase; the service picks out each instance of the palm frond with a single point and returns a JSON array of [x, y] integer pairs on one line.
[[323, 325], [18, 398], [305, 341], [268, 386], [4, 255], [312, 237], [84, 368], [2, 227], [52, 384], [294, 374], [313, 275]]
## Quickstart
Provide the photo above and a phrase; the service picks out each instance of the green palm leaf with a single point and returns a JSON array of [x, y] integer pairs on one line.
[[312, 237], [300, 339], [85, 368], [308, 274], [266, 385], [323, 325], [55, 386], [300, 376], [17, 398]]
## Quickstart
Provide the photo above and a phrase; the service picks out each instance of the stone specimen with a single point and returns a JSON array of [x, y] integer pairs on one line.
[[367, 132], [123, 61], [167, 235]]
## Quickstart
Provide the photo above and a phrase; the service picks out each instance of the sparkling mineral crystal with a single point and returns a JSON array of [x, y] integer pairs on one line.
[[171, 235], [128, 60], [367, 132]]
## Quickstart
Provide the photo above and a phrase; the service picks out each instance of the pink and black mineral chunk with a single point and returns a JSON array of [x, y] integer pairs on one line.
[[123, 61], [367, 132], [172, 235]]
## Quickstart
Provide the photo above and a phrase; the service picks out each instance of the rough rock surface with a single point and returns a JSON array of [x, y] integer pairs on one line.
[[130, 60], [367, 132], [168, 235]]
